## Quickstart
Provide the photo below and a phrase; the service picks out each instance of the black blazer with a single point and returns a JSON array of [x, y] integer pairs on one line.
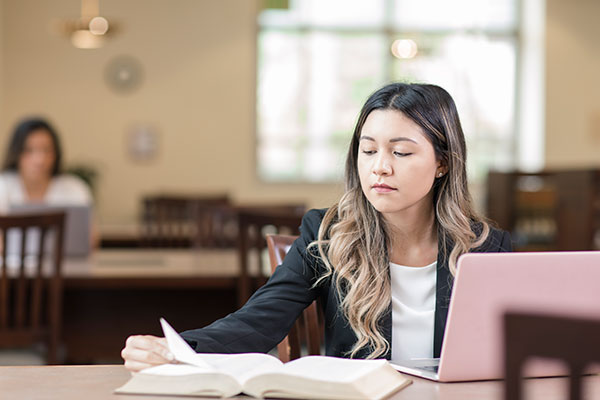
[[270, 313]]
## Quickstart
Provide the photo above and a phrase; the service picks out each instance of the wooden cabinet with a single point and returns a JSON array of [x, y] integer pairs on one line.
[[549, 210]]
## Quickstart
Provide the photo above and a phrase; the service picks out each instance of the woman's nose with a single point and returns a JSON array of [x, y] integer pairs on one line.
[[38, 157], [382, 165]]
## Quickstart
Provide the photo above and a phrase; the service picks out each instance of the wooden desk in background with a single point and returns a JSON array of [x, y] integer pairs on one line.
[[124, 235], [98, 383], [116, 293]]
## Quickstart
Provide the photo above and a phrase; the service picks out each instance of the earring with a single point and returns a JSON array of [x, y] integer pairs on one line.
[[440, 175]]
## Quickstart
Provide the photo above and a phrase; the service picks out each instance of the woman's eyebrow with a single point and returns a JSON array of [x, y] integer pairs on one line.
[[402, 139], [392, 140]]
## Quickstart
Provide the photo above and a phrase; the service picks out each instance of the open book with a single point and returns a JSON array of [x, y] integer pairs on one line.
[[262, 375]]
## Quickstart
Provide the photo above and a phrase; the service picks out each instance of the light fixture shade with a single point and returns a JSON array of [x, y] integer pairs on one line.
[[98, 25], [90, 31], [404, 48], [84, 39]]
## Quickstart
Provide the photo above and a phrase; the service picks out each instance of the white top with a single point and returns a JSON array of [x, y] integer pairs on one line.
[[413, 311], [63, 190]]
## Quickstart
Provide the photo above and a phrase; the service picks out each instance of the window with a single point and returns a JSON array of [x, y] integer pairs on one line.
[[318, 60]]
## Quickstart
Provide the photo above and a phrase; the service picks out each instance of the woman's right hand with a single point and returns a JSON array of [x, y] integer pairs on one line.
[[144, 351]]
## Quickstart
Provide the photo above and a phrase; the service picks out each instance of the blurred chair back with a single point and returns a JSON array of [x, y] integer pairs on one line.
[[31, 282], [309, 324], [171, 221], [253, 224], [217, 225], [573, 340]]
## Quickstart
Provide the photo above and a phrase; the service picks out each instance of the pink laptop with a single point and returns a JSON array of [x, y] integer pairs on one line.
[[489, 284]]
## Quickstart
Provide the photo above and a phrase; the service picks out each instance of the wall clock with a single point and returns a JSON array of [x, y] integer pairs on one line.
[[124, 74]]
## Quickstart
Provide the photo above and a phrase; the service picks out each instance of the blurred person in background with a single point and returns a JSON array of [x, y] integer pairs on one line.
[[32, 170]]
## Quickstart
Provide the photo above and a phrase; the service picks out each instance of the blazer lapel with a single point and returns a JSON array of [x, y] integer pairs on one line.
[[442, 296], [387, 330]]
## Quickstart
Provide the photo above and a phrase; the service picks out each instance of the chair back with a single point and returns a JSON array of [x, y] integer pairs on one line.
[[279, 245], [171, 221], [217, 225], [309, 325], [31, 282], [573, 340], [252, 226]]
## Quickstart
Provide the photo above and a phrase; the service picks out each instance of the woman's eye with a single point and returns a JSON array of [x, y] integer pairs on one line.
[[368, 152], [397, 153]]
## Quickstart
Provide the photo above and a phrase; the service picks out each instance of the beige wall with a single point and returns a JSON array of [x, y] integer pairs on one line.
[[573, 83], [199, 63]]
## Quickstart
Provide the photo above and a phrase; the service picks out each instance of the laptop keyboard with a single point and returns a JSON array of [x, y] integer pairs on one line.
[[432, 368]]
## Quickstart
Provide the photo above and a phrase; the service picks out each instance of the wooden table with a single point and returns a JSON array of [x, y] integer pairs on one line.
[[153, 267], [98, 382], [116, 293], [121, 235]]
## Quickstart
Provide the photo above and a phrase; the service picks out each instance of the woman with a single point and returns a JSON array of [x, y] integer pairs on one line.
[[383, 257], [32, 170]]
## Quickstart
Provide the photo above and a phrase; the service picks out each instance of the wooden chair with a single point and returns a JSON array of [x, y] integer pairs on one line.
[[573, 340], [171, 221], [308, 323], [548, 210], [31, 284], [252, 223], [217, 225]]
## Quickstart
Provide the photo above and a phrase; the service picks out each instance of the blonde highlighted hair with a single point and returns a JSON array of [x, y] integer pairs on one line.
[[353, 239]]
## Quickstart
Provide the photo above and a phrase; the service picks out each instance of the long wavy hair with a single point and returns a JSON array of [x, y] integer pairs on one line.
[[353, 239]]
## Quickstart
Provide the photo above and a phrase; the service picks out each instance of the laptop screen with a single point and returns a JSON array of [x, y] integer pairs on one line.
[[77, 241]]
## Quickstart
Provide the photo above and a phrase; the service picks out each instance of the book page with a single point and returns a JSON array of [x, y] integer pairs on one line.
[[243, 366], [181, 379], [180, 349], [239, 366], [333, 368], [171, 370], [318, 377]]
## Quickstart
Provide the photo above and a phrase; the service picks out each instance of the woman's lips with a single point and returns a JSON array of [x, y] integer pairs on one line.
[[382, 188]]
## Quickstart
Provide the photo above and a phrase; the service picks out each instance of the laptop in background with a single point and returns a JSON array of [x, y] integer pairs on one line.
[[77, 227], [489, 284]]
